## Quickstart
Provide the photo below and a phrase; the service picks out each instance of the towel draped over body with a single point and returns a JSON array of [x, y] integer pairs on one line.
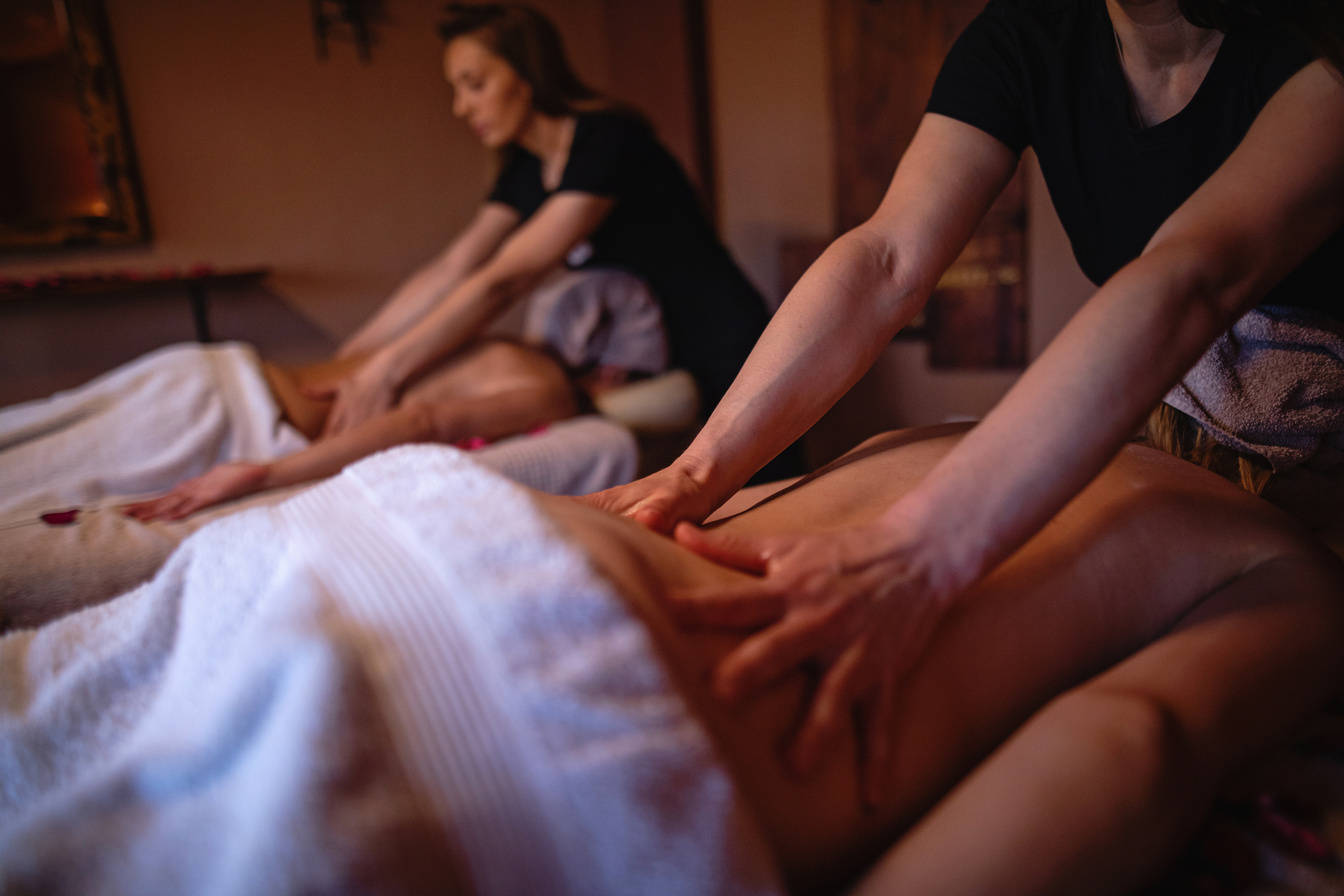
[[399, 680]]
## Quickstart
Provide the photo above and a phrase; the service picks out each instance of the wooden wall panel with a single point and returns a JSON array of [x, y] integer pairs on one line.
[[885, 55], [656, 53]]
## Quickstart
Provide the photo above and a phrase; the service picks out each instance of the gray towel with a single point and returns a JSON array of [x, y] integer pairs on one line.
[[1272, 385], [598, 317]]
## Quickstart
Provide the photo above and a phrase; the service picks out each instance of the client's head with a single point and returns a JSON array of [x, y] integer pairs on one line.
[[506, 62]]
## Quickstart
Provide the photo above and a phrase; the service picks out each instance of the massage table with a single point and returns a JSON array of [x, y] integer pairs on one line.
[[67, 462]]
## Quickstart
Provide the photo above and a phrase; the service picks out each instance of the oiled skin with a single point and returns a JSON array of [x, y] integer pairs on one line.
[[1124, 563]]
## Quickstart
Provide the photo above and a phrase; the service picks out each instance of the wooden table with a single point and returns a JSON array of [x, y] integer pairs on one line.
[[195, 282]]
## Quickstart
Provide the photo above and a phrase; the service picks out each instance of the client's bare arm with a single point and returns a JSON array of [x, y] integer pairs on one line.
[[497, 415], [498, 389], [1100, 789]]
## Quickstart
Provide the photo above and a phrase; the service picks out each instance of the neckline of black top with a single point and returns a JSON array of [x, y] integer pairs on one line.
[[1113, 76]]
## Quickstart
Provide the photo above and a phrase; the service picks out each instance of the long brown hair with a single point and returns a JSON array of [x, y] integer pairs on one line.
[[1319, 24], [531, 45]]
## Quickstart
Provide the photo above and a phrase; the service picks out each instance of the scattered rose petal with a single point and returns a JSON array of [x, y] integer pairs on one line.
[[61, 517]]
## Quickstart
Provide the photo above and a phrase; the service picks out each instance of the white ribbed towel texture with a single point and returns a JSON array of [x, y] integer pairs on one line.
[[400, 680]]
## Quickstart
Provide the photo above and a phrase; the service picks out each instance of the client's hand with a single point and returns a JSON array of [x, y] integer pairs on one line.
[[658, 501], [859, 604], [360, 397], [223, 483]]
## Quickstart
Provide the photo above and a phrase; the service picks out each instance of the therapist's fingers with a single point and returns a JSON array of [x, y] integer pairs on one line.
[[879, 724], [337, 418], [658, 501], [766, 657], [739, 552], [654, 517], [320, 390], [831, 712]]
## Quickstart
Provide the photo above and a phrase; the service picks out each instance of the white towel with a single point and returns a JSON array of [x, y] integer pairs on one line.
[[598, 317], [144, 427], [395, 681], [141, 428]]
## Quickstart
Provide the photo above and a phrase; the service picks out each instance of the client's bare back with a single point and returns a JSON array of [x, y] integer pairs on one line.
[[1124, 564]]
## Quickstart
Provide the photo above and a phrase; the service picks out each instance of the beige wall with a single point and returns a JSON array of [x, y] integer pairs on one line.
[[770, 104], [341, 176]]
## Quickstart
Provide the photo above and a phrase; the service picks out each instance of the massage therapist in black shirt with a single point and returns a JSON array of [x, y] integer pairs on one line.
[[1195, 153], [583, 182]]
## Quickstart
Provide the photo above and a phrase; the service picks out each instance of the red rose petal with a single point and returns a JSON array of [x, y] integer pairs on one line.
[[60, 517]]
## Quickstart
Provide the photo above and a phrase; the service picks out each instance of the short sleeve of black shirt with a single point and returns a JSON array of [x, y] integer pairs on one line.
[[656, 230], [518, 184], [980, 82], [1044, 74]]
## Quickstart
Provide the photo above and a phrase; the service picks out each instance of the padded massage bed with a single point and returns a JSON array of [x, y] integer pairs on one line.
[[166, 417]]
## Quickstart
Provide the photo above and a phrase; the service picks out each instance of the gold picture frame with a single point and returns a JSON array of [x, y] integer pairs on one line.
[[64, 140]]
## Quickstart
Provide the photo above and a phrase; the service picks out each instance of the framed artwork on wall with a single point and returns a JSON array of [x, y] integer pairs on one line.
[[885, 55], [67, 169]]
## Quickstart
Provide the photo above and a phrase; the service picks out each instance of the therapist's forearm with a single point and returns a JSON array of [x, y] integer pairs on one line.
[[1070, 412], [1274, 200], [452, 324], [412, 301], [828, 332], [424, 289]]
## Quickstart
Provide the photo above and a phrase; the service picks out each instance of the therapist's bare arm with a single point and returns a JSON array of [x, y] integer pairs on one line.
[[415, 298], [835, 322], [1278, 196], [864, 601], [529, 253]]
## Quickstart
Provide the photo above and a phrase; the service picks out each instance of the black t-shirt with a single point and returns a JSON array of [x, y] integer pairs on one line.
[[1044, 73], [658, 231]]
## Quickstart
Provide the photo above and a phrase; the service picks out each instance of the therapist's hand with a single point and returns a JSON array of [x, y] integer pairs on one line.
[[367, 393], [658, 501], [859, 605]]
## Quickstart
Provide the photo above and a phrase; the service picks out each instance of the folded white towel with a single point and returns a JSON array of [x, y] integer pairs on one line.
[[141, 428], [598, 317]]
